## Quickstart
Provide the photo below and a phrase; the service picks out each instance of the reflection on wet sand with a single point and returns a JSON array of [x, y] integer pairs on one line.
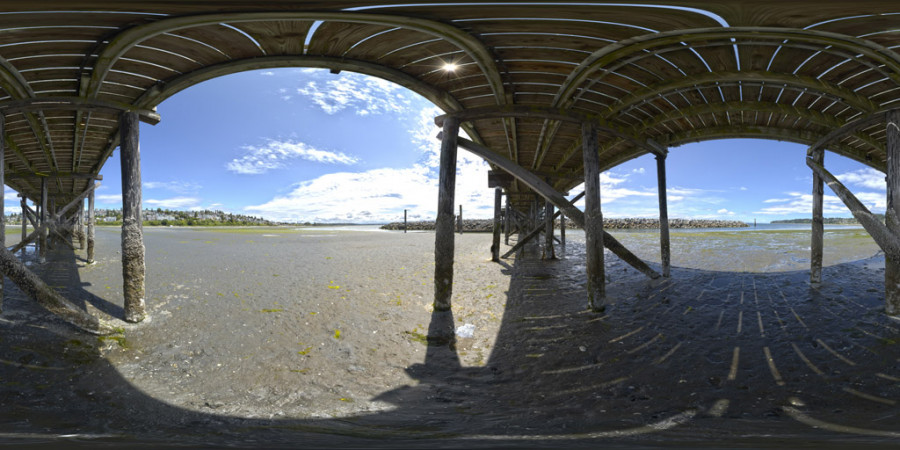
[[706, 357]]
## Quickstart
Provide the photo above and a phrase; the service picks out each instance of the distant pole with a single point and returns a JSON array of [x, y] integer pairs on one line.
[[664, 244], [24, 223], [405, 227], [562, 231], [90, 228], [459, 223], [43, 240], [549, 252]]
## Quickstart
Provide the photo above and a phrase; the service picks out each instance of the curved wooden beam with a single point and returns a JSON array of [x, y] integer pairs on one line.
[[613, 52], [37, 104], [547, 113], [128, 38], [860, 102]]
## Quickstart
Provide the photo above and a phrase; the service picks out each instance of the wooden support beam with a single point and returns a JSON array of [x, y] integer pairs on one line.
[[545, 190], [495, 245], [62, 175], [507, 220], [892, 214], [43, 223], [549, 251], [443, 227], [664, 248], [593, 219], [132, 225], [816, 246], [78, 199], [888, 241], [2, 198], [24, 221], [562, 231], [535, 232], [35, 288], [40, 104], [90, 229]]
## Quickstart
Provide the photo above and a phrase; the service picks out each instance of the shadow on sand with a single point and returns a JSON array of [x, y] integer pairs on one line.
[[702, 359]]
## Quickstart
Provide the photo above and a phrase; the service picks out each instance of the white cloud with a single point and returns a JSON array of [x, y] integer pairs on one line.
[[725, 212], [171, 203], [267, 73], [335, 197], [261, 159], [362, 94], [181, 187], [868, 178], [801, 204], [743, 188], [109, 198], [639, 170]]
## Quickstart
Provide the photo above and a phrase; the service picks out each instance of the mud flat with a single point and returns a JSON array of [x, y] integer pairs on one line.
[[317, 337]]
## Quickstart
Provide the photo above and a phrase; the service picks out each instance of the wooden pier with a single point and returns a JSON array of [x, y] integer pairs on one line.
[[550, 95]]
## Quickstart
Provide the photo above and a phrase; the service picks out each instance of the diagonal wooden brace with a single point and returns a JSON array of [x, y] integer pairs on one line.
[[888, 241], [553, 196], [536, 232]]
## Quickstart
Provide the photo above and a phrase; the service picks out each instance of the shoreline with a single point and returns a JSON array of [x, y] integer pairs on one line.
[[487, 225]]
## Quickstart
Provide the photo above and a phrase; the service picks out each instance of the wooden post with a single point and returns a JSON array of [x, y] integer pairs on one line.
[[593, 218], [24, 223], [562, 230], [2, 196], [664, 249], [816, 246], [79, 224], [42, 242], [459, 225], [507, 219], [405, 226], [443, 227], [495, 247], [132, 226], [90, 229], [549, 252], [892, 264]]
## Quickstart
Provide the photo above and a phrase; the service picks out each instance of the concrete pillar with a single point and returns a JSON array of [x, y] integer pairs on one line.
[[495, 246], [90, 229], [891, 265], [443, 227], [816, 246], [132, 224], [664, 249], [593, 218]]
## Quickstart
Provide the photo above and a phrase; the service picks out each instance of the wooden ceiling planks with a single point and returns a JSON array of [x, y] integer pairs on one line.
[[664, 70]]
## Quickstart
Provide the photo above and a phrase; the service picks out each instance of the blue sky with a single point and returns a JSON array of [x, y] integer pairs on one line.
[[306, 145]]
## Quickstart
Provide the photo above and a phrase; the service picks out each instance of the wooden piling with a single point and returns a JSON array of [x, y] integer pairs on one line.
[[443, 227], [132, 226], [892, 214], [507, 220], [816, 246], [90, 229], [664, 248], [459, 219], [549, 251], [593, 218], [2, 196], [42, 242], [79, 224], [405, 226], [24, 222], [562, 231], [495, 246]]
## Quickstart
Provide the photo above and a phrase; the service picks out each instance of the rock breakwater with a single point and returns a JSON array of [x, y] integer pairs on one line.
[[486, 225]]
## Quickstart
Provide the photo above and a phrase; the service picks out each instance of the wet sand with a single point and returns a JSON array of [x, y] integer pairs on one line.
[[318, 338]]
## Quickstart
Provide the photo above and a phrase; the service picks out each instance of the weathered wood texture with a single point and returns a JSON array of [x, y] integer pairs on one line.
[[593, 220], [36, 289], [892, 262], [24, 221], [443, 227], [495, 243], [887, 240], [540, 186], [132, 225], [524, 239], [90, 229], [816, 247], [665, 252], [549, 251], [42, 244], [2, 197]]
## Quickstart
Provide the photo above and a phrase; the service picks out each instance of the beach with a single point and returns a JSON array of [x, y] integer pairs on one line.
[[319, 335]]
